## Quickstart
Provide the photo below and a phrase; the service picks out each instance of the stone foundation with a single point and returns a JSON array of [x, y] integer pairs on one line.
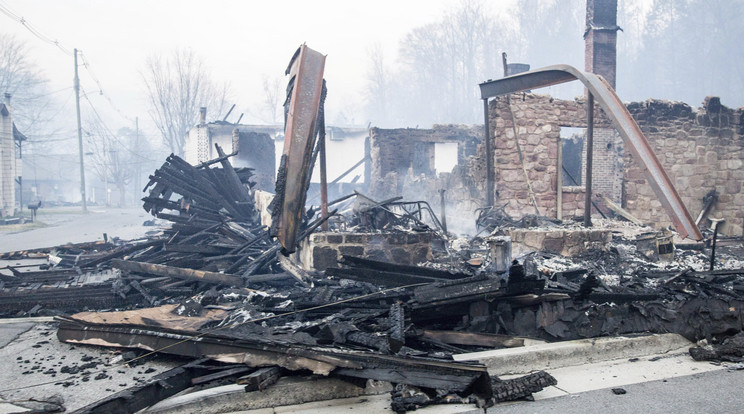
[[323, 250], [561, 241]]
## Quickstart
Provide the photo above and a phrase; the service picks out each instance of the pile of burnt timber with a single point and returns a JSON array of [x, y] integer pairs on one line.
[[209, 196], [216, 238]]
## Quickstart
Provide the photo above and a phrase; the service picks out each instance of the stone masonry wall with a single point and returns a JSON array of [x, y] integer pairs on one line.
[[322, 250], [539, 119], [701, 149], [563, 241], [398, 155]]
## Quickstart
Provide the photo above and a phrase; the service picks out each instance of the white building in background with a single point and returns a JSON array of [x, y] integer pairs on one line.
[[9, 171]]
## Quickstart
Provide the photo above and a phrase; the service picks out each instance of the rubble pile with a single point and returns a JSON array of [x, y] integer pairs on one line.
[[214, 283]]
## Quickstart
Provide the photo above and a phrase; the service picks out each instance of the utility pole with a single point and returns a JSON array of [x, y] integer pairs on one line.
[[80, 135]]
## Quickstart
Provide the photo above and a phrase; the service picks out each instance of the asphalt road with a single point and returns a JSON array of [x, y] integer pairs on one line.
[[69, 225], [709, 392]]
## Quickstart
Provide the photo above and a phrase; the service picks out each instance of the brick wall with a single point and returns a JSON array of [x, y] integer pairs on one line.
[[600, 39], [700, 149]]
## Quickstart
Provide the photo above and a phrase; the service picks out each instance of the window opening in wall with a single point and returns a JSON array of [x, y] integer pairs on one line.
[[445, 156], [572, 146]]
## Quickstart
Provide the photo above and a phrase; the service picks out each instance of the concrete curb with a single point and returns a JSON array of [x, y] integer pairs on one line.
[[288, 391], [569, 353]]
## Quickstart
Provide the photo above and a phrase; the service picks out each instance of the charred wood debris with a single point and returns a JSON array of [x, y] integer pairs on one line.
[[365, 319]]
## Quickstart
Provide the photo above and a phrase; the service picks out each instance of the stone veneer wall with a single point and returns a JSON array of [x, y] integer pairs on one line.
[[322, 250], [701, 149], [562, 242], [539, 119]]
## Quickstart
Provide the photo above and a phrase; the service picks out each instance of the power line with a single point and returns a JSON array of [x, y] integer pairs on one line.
[[85, 63], [113, 136], [8, 12]]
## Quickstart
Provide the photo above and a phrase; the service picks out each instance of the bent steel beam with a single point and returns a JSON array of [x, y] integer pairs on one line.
[[621, 119]]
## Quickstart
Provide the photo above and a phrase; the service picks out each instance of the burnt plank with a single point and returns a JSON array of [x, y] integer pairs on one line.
[[178, 273], [380, 277], [471, 338], [260, 379], [226, 373], [359, 262], [194, 248]]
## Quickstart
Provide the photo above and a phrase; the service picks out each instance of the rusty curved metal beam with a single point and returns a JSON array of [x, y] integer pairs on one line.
[[621, 119]]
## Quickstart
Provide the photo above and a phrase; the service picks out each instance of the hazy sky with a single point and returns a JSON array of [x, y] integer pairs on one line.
[[242, 42]]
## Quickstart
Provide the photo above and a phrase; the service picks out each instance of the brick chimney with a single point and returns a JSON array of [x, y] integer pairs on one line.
[[600, 39], [203, 115]]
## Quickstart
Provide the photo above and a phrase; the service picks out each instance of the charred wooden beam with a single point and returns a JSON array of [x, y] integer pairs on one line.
[[289, 266], [474, 339], [359, 262], [258, 351], [122, 251], [514, 389], [379, 277], [178, 273], [195, 248], [225, 373], [260, 379], [63, 298], [397, 333], [465, 290]]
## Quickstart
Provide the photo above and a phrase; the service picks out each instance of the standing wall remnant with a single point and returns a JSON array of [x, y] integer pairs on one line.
[[701, 149], [255, 148], [538, 120]]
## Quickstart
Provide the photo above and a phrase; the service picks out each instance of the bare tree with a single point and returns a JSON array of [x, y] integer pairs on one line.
[[273, 97], [177, 86], [21, 78], [444, 61], [112, 157], [378, 86]]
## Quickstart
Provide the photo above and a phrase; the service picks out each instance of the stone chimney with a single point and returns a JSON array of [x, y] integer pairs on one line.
[[600, 39]]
